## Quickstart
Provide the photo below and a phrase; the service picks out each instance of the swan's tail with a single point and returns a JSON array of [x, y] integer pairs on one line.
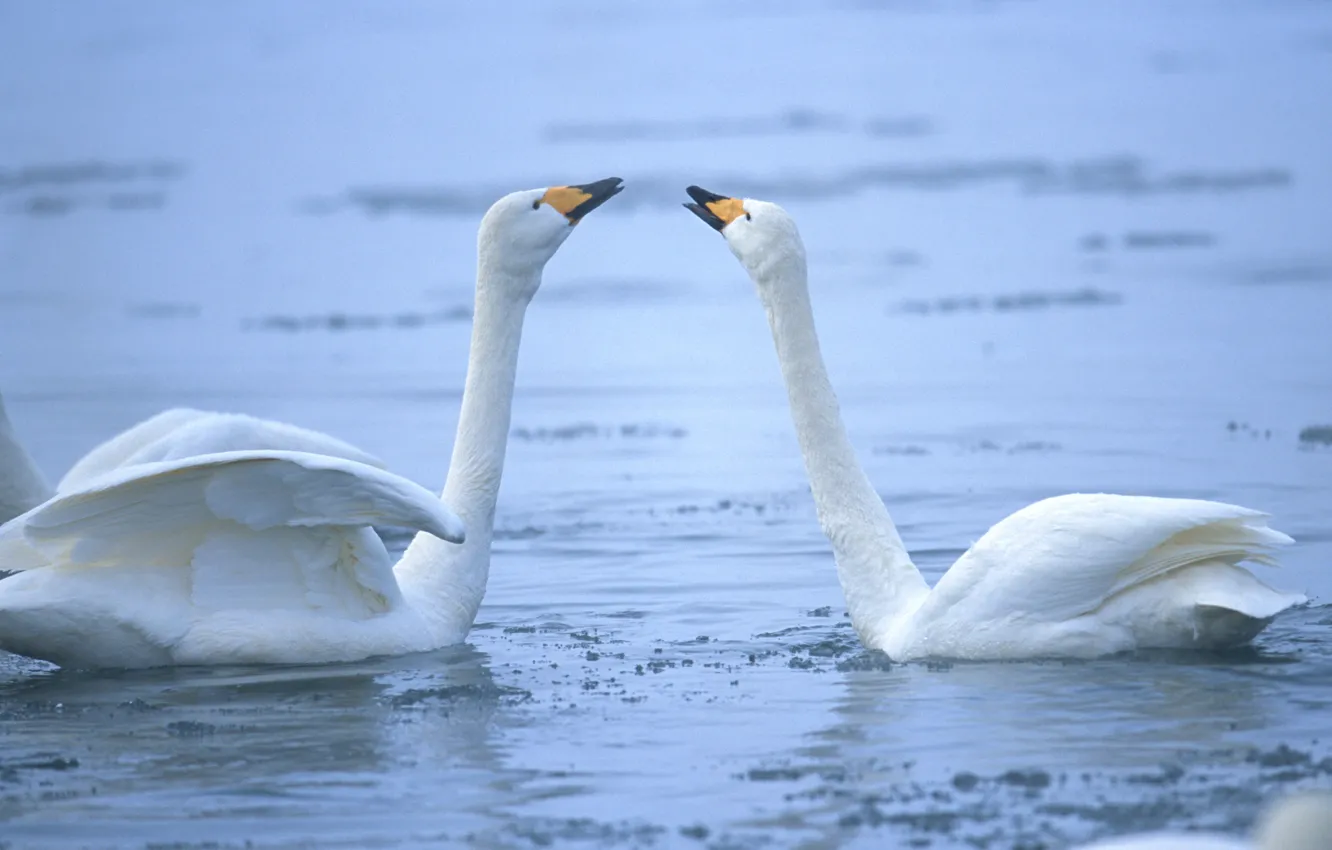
[[1228, 540], [1231, 605]]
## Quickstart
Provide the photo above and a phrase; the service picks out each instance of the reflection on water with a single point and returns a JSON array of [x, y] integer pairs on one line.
[[1051, 251]]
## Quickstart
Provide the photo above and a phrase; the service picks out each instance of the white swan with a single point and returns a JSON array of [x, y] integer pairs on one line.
[[267, 557], [1071, 576], [1299, 822], [170, 435]]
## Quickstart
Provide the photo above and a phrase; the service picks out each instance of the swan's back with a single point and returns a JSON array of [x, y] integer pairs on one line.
[[1089, 574], [184, 432], [113, 453]]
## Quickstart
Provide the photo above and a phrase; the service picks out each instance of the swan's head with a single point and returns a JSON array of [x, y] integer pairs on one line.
[[523, 230], [761, 234]]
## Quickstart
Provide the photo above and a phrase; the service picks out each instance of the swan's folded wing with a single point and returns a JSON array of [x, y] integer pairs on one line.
[[1064, 557], [183, 432], [226, 515]]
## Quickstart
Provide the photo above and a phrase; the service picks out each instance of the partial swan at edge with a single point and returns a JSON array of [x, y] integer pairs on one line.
[[1302, 821], [1079, 575], [268, 557]]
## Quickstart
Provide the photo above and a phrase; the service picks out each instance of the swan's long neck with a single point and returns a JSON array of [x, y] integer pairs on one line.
[[22, 486], [447, 581], [880, 582]]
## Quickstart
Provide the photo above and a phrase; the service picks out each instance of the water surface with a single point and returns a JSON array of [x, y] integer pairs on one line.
[[1053, 248]]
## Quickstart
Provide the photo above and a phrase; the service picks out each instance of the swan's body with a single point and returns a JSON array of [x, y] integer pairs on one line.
[[1072, 576], [268, 557], [1300, 822], [228, 558], [170, 435]]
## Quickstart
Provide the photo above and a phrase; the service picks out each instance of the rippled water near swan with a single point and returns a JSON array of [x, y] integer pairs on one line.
[[1052, 249]]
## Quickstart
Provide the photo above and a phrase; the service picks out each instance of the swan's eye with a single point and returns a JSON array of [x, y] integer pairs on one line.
[[536, 205], [748, 217]]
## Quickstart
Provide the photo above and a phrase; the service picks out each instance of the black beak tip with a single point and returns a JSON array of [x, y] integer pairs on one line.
[[703, 196], [709, 218], [598, 192]]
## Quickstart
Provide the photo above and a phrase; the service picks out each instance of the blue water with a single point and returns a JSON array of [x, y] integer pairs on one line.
[[1053, 248]]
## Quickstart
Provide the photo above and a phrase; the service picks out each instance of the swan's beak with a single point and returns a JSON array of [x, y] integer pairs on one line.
[[717, 210], [574, 202]]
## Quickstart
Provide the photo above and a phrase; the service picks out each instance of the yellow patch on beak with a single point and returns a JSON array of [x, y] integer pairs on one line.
[[727, 209], [565, 199]]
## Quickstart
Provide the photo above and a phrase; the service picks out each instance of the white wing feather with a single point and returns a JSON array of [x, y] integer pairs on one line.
[[1064, 557], [183, 432], [202, 513]]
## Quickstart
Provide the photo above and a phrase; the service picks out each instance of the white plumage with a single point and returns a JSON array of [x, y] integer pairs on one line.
[[184, 432], [233, 557], [1071, 576], [170, 435], [1087, 575], [153, 553]]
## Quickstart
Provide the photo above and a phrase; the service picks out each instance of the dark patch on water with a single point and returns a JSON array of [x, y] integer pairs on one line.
[[721, 506], [447, 695], [1316, 435], [164, 310], [10, 770], [1040, 446], [1026, 447], [339, 322], [902, 451], [545, 832], [1167, 239], [790, 630], [626, 615], [1293, 272], [970, 809], [1018, 302], [871, 660], [1235, 427], [1030, 779], [792, 122], [58, 189], [1092, 242], [88, 172], [412, 200], [615, 290], [527, 532], [1128, 176], [904, 259], [794, 773], [43, 206], [590, 431]]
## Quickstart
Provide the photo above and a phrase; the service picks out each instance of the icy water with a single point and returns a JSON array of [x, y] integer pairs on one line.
[[1053, 248]]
